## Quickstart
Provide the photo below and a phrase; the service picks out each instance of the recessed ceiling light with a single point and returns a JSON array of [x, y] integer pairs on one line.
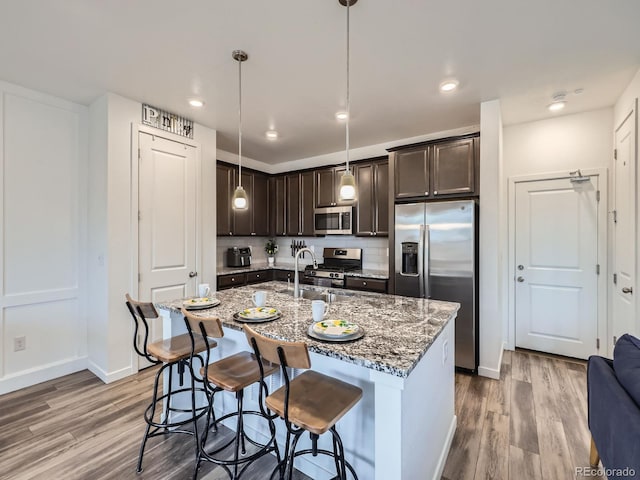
[[194, 102], [341, 116], [557, 106], [271, 134], [449, 85]]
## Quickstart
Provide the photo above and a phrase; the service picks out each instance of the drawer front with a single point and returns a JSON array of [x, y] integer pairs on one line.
[[284, 275], [234, 280], [259, 276], [369, 284]]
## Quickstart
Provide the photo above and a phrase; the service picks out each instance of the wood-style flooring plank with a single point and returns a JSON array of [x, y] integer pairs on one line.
[[544, 395], [520, 367], [523, 464], [462, 386], [493, 464], [524, 432], [554, 452], [463, 456], [499, 396]]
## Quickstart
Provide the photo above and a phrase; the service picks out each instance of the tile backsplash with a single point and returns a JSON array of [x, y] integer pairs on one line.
[[375, 251]]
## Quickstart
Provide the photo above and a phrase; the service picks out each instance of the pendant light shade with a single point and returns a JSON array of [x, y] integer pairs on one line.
[[348, 191], [240, 200]]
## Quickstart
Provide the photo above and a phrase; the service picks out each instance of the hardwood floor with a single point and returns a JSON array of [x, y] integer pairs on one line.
[[531, 424], [77, 428]]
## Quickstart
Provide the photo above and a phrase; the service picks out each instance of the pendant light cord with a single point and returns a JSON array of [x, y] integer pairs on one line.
[[239, 123], [348, 99]]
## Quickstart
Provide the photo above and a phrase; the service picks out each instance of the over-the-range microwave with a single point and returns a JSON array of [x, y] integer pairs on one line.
[[333, 221]]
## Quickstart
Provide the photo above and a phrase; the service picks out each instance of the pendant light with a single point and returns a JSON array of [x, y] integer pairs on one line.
[[240, 200], [348, 191]]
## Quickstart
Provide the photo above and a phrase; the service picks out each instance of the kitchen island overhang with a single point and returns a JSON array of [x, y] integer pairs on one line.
[[403, 426]]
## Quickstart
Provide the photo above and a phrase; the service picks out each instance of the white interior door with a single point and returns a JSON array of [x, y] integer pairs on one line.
[[624, 232], [167, 229], [556, 254]]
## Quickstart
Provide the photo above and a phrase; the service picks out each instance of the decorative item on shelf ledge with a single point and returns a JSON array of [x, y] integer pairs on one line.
[[271, 247], [167, 121]]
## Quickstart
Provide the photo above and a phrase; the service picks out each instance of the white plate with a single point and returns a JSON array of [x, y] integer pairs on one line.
[[200, 303], [258, 313], [335, 328]]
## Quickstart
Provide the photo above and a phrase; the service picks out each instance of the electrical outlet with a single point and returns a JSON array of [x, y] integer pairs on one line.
[[19, 343]]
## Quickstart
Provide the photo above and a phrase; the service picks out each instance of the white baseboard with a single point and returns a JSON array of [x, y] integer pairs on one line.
[[40, 374], [108, 377], [492, 372], [444, 453]]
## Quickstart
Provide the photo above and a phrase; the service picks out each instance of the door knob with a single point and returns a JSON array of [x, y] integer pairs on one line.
[[520, 279], [193, 274], [627, 289], [520, 267]]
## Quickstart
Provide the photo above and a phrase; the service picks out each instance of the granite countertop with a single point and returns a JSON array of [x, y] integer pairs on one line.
[[398, 330], [364, 273]]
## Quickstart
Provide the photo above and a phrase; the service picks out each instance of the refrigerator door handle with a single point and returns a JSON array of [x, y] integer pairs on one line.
[[421, 260], [427, 262]]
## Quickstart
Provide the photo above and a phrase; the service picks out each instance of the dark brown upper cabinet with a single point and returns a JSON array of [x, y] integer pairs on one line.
[[372, 208], [252, 221], [225, 180], [327, 185], [412, 173], [439, 169], [454, 168], [299, 201], [278, 206]]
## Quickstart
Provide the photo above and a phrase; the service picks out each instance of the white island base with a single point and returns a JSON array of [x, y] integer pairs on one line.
[[401, 429]]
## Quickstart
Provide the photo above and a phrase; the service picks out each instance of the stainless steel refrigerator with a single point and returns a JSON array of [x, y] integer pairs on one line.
[[436, 257]]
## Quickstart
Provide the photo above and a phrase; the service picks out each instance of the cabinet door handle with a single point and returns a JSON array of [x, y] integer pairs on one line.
[[364, 283], [426, 193], [253, 233], [435, 192]]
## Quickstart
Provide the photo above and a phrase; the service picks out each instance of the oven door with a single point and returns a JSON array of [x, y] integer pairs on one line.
[[333, 221]]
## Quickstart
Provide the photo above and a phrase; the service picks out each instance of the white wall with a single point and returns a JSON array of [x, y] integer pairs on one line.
[[492, 251], [43, 150], [112, 265], [558, 144]]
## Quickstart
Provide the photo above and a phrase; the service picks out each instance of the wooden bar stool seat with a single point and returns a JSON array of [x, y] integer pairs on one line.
[[178, 352], [175, 348], [236, 372], [311, 402], [316, 401], [231, 374]]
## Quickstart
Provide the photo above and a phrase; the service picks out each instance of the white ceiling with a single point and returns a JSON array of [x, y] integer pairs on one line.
[[163, 52]]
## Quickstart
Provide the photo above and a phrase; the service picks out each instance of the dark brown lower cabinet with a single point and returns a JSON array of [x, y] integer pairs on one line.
[[231, 280], [259, 276], [367, 284]]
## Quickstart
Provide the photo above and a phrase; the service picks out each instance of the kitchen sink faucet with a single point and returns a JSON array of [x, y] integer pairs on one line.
[[296, 275]]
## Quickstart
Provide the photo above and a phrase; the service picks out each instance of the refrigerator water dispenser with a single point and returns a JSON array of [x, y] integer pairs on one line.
[[409, 258]]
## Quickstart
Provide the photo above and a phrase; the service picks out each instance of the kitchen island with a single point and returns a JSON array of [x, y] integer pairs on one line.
[[403, 426]]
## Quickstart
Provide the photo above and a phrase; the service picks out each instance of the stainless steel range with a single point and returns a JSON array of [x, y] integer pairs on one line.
[[337, 261]]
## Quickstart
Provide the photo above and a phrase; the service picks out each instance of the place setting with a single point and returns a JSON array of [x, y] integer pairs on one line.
[[331, 330], [260, 313], [203, 301]]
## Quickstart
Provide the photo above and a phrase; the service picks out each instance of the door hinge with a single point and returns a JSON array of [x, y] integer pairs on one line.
[[615, 278], [598, 196], [615, 216], [139, 277], [598, 269], [615, 153], [139, 155], [598, 343]]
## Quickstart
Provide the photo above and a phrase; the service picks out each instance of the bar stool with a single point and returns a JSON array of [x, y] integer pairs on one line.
[[311, 402], [177, 351], [231, 374]]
